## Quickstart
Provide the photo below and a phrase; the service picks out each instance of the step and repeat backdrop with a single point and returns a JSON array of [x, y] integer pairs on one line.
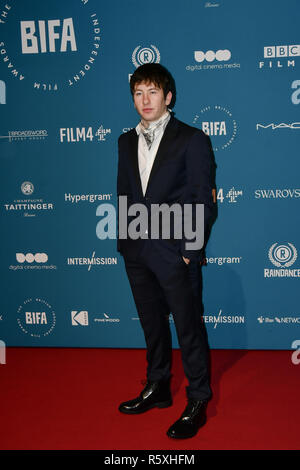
[[64, 100]]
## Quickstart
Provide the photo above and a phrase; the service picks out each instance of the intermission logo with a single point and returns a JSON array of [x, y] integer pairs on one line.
[[28, 207], [213, 60], [36, 317], [217, 122], [220, 318], [93, 260], [145, 55], [278, 57], [295, 97], [83, 134], [283, 256], [46, 46]]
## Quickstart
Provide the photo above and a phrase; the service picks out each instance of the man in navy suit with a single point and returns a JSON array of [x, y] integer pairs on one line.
[[164, 161]]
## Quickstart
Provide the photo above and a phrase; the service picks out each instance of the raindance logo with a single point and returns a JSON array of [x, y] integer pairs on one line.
[[50, 49], [282, 256], [217, 122], [36, 318], [145, 55]]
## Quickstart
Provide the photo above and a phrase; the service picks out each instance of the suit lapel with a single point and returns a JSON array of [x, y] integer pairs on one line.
[[164, 147], [134, 159]]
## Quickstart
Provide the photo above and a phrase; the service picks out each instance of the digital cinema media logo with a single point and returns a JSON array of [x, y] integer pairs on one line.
[[283, 256], [54, 46]]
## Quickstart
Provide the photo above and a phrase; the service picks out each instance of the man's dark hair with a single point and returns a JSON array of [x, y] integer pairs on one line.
[[157, 74]]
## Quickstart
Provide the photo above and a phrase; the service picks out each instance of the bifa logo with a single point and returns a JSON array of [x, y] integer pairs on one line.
[[48, 36], [295, 97], [2, 92], [35, 318], [2, 352], [79, 318], [214, 128]]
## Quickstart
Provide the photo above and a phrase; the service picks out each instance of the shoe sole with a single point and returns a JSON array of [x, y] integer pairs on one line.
[[163, 404]]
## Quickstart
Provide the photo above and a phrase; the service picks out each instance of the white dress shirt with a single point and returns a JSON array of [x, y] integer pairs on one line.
[[147, 156]]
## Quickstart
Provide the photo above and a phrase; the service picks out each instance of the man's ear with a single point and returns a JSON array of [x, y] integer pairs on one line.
[[168, 98]]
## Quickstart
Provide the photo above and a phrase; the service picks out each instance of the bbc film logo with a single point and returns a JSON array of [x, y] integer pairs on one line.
[[42, 41], [279, 57]]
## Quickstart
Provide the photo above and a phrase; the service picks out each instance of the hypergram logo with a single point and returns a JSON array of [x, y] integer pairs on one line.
[[40, 39], [145, 55]]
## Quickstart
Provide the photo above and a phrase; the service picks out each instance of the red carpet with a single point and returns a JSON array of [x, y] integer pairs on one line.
[[68, 399]]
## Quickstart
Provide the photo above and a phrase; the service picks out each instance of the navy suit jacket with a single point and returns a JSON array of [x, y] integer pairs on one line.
[[182, 173]]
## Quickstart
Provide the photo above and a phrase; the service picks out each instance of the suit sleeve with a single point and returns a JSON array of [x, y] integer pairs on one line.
[[123, 184], [199, 169]]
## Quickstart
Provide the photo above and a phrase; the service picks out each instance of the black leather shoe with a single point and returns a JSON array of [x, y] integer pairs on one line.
[[155, 394], [193, 417]]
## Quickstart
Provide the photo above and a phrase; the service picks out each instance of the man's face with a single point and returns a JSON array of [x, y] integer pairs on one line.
[[150, 102]]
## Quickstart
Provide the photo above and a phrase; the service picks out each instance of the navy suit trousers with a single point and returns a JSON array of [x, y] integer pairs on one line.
[[162, 283]]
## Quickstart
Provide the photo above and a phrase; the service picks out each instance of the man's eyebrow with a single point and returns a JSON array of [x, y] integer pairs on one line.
[[149, 89]]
